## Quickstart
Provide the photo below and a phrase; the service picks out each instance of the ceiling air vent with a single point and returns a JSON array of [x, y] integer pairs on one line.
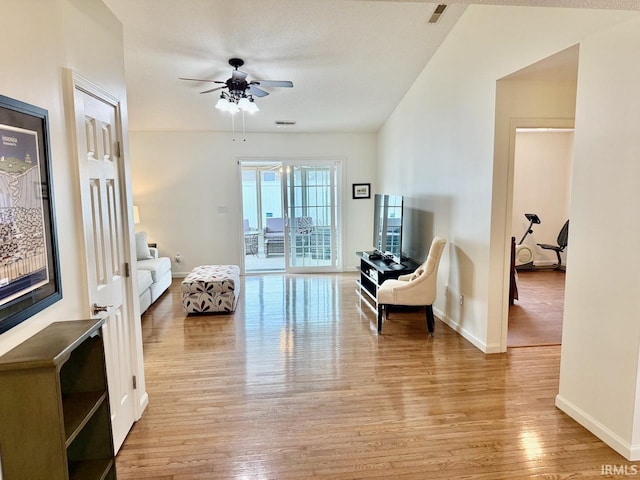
[[284, 123], [437, 13]]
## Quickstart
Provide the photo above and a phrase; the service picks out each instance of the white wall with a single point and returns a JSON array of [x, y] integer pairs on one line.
[[542, 185], [601, 331], [181, 181], [70, 34], [456, 166]]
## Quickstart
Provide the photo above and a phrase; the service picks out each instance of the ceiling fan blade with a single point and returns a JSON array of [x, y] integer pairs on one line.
[[213, 90], [200, 80], [273, 83], [257, 92], [238, 75]]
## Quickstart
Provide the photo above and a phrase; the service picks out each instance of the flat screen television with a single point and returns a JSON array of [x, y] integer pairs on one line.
[[387, 226]]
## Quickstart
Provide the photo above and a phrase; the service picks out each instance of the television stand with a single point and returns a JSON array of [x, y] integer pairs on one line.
[[375, 271]]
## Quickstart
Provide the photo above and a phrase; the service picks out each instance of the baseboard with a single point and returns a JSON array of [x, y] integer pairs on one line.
[[628, 451], [475, 341], [179, 274]]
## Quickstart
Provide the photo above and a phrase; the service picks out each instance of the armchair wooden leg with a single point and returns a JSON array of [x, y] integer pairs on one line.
[[380, 309], [430, 319]]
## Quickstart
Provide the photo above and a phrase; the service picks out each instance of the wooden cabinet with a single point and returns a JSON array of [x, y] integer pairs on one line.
[[375, 271], [54, 406]]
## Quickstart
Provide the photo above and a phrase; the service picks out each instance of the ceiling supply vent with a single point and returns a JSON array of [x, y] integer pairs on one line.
[[437, 13], [284, 123]]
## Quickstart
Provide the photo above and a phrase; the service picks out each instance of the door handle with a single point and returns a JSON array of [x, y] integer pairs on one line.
[[96, 309]]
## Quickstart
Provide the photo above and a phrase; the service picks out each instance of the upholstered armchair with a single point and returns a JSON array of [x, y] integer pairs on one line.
[[414, 289]]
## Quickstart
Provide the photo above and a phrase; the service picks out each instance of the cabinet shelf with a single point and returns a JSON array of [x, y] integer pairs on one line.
[[78, 409], [101, 469], [369, 294]]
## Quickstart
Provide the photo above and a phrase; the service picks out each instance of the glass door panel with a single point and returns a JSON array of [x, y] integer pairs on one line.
[[263, 220], [311, 217]]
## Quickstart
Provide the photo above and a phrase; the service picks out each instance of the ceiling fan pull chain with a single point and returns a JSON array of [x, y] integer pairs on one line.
[[233, 128], [244, 135]]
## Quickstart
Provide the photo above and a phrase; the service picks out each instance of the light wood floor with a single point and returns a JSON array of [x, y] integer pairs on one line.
[[536, 317], [297, 384]]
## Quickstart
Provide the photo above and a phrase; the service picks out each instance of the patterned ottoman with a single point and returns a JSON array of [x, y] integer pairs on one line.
[[211, 288]]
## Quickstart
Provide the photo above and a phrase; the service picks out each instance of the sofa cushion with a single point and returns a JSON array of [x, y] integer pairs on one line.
[[157, 266], [275, 225], [144, 280], [142, 248]]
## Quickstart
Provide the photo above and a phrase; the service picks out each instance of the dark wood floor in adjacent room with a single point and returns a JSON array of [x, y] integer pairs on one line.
[[297, 384], [536, 317]]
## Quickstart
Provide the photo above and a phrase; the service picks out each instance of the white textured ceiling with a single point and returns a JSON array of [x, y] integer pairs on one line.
[[350, 61]]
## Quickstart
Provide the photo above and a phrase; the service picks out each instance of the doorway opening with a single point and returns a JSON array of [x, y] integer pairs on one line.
[[542, 186], [291, 217]]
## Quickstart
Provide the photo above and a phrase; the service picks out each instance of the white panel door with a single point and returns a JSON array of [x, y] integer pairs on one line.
[[100, 183]]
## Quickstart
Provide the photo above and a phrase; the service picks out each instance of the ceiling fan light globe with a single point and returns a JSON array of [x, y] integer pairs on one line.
[[252, 108], [244, 103], [232, 108], [222, 104]]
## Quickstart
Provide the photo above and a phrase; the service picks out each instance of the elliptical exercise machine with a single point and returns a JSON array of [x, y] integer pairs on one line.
[[524, 253]]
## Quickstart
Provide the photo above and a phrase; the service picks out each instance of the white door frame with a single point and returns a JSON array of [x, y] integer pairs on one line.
[[76, 81]]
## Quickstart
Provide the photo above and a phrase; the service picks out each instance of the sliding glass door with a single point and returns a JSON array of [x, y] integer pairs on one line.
[[291, 215]]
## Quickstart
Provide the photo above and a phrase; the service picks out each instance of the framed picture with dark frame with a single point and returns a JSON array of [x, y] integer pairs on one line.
[[29, 265], [361, 190]]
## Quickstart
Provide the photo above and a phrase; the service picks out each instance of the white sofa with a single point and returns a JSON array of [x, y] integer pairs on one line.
[[154, 273]]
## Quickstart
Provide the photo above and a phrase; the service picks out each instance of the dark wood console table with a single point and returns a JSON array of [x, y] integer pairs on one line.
[[374, 272]]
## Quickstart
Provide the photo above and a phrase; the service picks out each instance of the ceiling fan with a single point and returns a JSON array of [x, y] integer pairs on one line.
[[237, 92]]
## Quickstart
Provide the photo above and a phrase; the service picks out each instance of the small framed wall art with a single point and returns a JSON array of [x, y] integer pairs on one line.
[[361, 190]]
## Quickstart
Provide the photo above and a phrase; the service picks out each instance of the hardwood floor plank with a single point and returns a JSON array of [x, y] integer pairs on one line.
[[298, 384], [536, 317]]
